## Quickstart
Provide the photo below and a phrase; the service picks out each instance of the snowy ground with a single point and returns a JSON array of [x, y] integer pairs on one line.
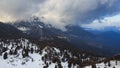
[[19, 62], [102, 65], [35, 59]]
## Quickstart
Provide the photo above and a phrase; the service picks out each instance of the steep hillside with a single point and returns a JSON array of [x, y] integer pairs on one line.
[[22, 53], [9, 31]]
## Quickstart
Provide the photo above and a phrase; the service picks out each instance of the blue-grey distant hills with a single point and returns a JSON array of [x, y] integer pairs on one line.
[[110, 38]]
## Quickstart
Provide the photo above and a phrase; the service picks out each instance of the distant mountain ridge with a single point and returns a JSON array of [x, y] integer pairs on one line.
[[9, 31], [75, 35]]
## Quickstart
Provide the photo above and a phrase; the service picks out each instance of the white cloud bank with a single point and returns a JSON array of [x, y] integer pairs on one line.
[[113, 21]]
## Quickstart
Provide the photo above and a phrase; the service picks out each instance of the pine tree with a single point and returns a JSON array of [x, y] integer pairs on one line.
[[10, 52], [93, 66], [31, 50], [109, 63], [26, 52], [47, 65], [59, 65], [15, 52], [5, 56], [69, 65], [55, 66], [4, 49], [116, 62], [23, 53], [114, 67]]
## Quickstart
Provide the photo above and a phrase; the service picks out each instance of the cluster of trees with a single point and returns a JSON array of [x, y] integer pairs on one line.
[[11, 47], [108, 62], [72, 56]]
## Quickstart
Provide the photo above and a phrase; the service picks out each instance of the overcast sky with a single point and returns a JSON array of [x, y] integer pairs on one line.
[[97, 14]]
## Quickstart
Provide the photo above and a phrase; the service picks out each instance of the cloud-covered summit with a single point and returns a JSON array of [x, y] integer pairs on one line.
[[11, 10], [58, 13]]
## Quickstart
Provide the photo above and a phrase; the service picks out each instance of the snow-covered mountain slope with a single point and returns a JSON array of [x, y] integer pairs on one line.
[[22, 53], [15, 55], [34, 29], [110, 64]]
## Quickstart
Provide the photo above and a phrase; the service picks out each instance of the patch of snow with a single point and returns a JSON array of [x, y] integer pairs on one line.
[[40, 26], [23, 28]]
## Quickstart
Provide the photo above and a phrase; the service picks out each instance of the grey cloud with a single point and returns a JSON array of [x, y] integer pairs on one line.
[[59, 13], [64, 12], [18, 9]]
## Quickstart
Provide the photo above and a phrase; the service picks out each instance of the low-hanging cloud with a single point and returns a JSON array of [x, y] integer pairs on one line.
[[58, 13], [12, 10]]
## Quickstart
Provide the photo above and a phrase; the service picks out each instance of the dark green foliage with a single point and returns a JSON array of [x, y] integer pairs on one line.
[[94, 66], [55, 66], [46, 56], [59, 65], [10, 52], [55, 59], [15, 52], [69, 64], [113, 67], [43, 58], [109, 63], [32, 50], [5, 56], [40, 52], [4, 49], [63, 59], [50, 62], [117, 57], [47, 65], [23, 63], [25, 53]]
